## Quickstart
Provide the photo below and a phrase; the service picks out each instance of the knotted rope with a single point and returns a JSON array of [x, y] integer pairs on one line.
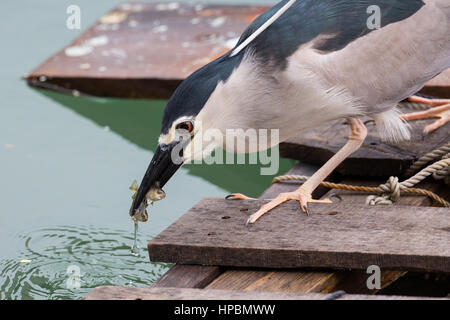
[[391, 191]]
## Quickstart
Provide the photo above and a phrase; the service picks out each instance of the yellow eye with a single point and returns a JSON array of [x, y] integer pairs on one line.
[[187, 125]]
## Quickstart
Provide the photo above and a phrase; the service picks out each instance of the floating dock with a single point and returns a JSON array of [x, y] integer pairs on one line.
[[287, 255], [144, 50]]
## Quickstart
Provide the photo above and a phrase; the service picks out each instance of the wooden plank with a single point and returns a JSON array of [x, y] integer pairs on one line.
[[191, 276], [289, 281], [297, 281], [185, 276], [374, 159], [300, 281], [341, 235], [304, 281], [439, 86], [144, 50], [129, 293]]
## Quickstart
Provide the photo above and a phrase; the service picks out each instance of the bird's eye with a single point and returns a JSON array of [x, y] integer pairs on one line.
[[187, 125]]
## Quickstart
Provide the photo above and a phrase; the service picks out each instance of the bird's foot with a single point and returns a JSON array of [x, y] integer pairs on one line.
[[440, 108], [299, 195]]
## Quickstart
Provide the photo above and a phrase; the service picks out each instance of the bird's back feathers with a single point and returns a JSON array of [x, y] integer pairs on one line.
[[376, 67], [343, 20]]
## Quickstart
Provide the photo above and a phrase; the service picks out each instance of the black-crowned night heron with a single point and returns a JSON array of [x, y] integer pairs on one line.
[[306, 62]]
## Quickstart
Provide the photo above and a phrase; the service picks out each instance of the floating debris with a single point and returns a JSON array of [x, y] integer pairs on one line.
[[25, 261]]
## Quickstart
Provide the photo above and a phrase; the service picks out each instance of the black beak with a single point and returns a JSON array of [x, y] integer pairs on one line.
[[160, 170]]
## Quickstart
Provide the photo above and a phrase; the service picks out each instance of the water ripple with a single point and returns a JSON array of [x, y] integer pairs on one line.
[[51, 257]]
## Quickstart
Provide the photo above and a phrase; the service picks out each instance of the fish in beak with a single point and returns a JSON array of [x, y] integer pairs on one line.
[[159, 172]]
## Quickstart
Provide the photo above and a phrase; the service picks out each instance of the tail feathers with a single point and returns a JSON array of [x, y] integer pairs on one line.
[[391, 127]]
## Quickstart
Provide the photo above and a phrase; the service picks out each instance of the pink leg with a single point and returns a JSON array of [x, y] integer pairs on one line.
[[303, 194], [440, 108]]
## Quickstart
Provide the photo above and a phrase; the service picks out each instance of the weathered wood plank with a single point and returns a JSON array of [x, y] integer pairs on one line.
[[289, 281], [144, 50], [374, 159], [439, 86], [334, 236], [185, 276], [128, 293], [297, 281], [304, 281], [191, 276]]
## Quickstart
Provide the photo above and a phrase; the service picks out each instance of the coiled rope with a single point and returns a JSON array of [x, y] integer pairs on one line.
[[443, 152]]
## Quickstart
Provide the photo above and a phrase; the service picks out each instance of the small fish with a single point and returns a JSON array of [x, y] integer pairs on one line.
[[141, 214], [155, 194]]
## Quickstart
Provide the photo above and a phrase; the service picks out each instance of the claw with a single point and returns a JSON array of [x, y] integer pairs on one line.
[[335, 295], [237, 196], [370, 121], [306, 210], [248, 222], [334, 195]]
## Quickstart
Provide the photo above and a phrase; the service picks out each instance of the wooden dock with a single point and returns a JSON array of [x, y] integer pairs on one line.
[[144, 50], [344, 234], [303, 281]]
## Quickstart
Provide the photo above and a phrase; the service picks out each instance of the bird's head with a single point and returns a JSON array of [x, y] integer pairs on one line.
[[183, 124]]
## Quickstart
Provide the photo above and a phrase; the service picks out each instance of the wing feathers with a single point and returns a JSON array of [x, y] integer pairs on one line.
[[262, 28]]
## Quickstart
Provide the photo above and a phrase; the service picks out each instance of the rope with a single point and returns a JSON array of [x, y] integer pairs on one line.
[[443, 152], [392, 190]]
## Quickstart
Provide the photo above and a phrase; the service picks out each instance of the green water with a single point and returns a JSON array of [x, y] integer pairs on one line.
[[66, 164]]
